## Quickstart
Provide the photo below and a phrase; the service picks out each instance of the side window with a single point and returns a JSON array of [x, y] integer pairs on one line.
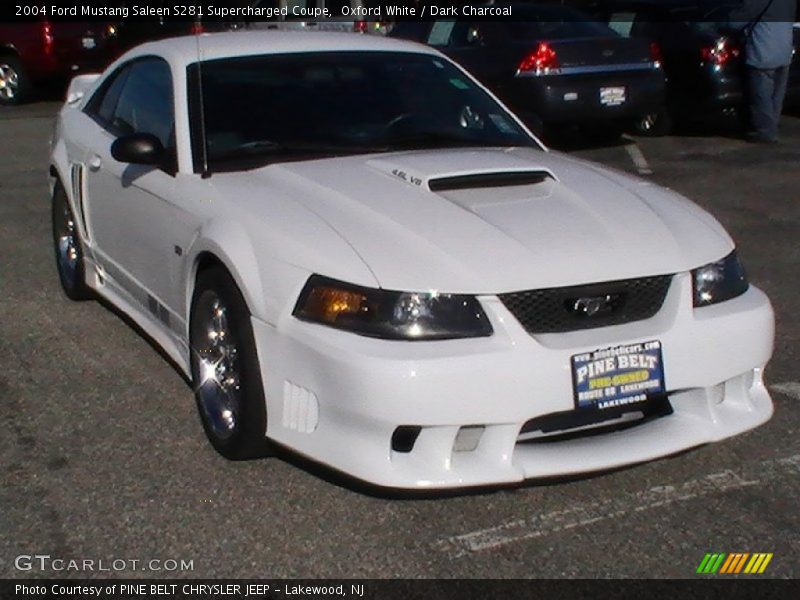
[[440, 33], [145, 103], [101, 106]]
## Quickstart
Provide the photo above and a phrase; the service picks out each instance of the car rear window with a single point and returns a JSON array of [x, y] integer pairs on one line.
[[554, 22], [556, 30]]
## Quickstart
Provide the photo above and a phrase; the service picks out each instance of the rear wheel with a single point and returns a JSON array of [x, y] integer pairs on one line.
[[15, 87], [68, 248], [653, 124], [225, 369]]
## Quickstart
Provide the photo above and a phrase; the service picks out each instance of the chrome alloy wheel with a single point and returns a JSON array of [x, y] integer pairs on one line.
[[68, 250], [9, 82], [648, 122], [219, 385]]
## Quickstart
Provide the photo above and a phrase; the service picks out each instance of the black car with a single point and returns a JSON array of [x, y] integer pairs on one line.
[[553, 65], [702, 55]]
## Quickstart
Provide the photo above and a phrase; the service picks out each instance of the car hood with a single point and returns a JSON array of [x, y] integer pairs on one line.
[[497, 220]]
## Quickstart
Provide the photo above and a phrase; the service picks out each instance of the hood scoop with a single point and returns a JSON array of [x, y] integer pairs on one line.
[[463, 169], [474, 181]]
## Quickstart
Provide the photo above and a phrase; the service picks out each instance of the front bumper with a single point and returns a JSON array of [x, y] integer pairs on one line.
[[338, 398]]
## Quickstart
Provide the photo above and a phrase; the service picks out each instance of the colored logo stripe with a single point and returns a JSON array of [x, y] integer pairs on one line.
[[734, 563], [758, 563], [711, 563]]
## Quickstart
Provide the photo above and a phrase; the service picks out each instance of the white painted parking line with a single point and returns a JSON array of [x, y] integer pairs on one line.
[[637, 156], [587, 514], [790, 388]]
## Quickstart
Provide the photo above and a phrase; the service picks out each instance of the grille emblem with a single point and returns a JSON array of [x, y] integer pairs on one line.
[[594, 305], [552, 310]]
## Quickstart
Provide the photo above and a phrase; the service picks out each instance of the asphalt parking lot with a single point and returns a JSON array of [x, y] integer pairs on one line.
[[102, 456]]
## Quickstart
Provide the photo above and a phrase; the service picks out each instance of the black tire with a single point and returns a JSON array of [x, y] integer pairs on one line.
[[15, 86], [225, 371], [655, 124], [68, 248]]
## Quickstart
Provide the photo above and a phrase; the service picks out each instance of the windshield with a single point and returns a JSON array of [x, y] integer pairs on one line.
[[260, 109]]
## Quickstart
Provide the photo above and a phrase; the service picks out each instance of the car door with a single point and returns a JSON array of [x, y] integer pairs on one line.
[[137, 228]]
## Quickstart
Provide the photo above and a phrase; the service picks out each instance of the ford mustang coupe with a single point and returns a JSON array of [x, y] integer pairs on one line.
[[356, 252]]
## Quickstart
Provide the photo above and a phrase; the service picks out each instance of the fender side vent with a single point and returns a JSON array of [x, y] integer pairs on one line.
[[78, 184], [300, 408], [488, 180]]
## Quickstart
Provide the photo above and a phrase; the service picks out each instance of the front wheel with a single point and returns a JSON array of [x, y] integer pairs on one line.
[[225, 369], [68, 248]]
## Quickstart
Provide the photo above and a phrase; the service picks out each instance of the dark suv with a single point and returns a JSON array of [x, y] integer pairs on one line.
[[38, 52]]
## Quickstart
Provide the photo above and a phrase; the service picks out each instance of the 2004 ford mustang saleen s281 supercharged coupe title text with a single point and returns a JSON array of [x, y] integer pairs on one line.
[[355, 251]]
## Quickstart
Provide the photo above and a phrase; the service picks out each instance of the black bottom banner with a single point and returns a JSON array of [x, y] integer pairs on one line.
[[427, 589]]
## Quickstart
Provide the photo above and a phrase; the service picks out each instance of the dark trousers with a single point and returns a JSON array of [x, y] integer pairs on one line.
[[766, 89]]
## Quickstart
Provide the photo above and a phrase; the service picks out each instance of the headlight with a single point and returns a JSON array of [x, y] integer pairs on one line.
[[391, 315], [719, 281]]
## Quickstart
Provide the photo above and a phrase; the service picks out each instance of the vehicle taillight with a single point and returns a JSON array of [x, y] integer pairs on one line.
[[197, 28], [360, 26], [543, 60], [47, 37], [719, 53], [655, 54]]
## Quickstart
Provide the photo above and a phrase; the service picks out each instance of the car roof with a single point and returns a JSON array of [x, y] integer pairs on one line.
[[250, 43]]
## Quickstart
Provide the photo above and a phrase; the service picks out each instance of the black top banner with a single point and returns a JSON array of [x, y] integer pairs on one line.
[[245, 11]]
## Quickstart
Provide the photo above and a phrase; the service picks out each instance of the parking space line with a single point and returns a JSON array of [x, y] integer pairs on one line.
[[789, 388], [587, 514], [638, 158]]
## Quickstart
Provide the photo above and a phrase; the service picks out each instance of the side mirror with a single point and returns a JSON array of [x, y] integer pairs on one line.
[[138, 149]]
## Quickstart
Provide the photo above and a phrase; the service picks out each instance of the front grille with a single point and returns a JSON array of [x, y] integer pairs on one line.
[[556, 310]]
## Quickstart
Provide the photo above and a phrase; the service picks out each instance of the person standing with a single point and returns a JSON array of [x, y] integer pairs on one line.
[[768, 55]]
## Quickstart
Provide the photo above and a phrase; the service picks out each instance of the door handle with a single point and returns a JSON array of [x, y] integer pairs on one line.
[[95, 162]]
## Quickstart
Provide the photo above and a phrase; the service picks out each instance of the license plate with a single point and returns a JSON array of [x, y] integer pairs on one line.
[[613, 377], [612, 96]]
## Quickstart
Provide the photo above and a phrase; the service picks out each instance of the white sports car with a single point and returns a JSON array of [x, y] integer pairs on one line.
[[356, 252]]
